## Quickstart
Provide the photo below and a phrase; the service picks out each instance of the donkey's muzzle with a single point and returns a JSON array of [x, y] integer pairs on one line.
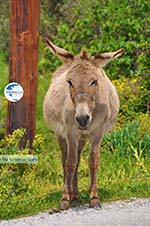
[[83, 121]]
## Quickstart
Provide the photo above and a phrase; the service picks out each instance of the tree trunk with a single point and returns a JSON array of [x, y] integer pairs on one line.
[[24, 36]]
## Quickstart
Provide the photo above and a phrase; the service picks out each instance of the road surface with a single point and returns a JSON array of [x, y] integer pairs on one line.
[[132, 212]]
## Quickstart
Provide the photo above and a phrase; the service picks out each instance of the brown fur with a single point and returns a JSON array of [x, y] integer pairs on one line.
[[81, 104]]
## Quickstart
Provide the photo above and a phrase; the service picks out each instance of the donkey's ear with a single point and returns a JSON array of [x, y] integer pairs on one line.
[[64, 55], [104, 58]]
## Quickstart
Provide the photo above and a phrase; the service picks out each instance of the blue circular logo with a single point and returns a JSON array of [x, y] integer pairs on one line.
[[13, 92]]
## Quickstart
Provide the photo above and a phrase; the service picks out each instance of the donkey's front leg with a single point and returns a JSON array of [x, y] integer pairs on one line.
[[81, 144], [70, 167], [93, 165]]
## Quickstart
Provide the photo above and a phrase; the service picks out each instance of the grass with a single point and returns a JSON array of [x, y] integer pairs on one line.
[[28, 189], [41, 187]]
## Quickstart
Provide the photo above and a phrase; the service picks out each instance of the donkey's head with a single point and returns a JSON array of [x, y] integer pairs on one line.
[[82, 76]]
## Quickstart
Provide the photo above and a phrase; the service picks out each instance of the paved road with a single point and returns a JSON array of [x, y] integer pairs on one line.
[[133, 212]]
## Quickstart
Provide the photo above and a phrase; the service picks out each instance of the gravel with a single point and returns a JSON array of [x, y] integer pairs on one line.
[[132, 212]]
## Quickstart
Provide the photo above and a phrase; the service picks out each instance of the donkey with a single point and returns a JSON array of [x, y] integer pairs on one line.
[[81, 105]]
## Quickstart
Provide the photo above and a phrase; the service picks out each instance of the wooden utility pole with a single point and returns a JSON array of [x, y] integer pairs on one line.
[[24, 36]]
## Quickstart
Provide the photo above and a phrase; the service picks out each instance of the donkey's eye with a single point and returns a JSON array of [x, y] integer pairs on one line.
[[70, 83], [93, 83]]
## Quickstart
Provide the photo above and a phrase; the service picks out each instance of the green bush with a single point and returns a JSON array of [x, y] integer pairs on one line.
[[21, 181], [11, 174], [132, 136], [4, 29], [103, 26], [98, 25], [134, 98]]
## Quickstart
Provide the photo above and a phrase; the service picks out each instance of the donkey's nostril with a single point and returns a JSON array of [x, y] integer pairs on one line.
[[83, 120]]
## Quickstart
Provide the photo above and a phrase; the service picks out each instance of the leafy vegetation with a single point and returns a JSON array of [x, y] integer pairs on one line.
[[29, 188], [103, 26], [124, 171]]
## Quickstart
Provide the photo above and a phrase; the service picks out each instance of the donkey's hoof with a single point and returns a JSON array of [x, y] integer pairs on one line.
[[95, 203], [64, 204]]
